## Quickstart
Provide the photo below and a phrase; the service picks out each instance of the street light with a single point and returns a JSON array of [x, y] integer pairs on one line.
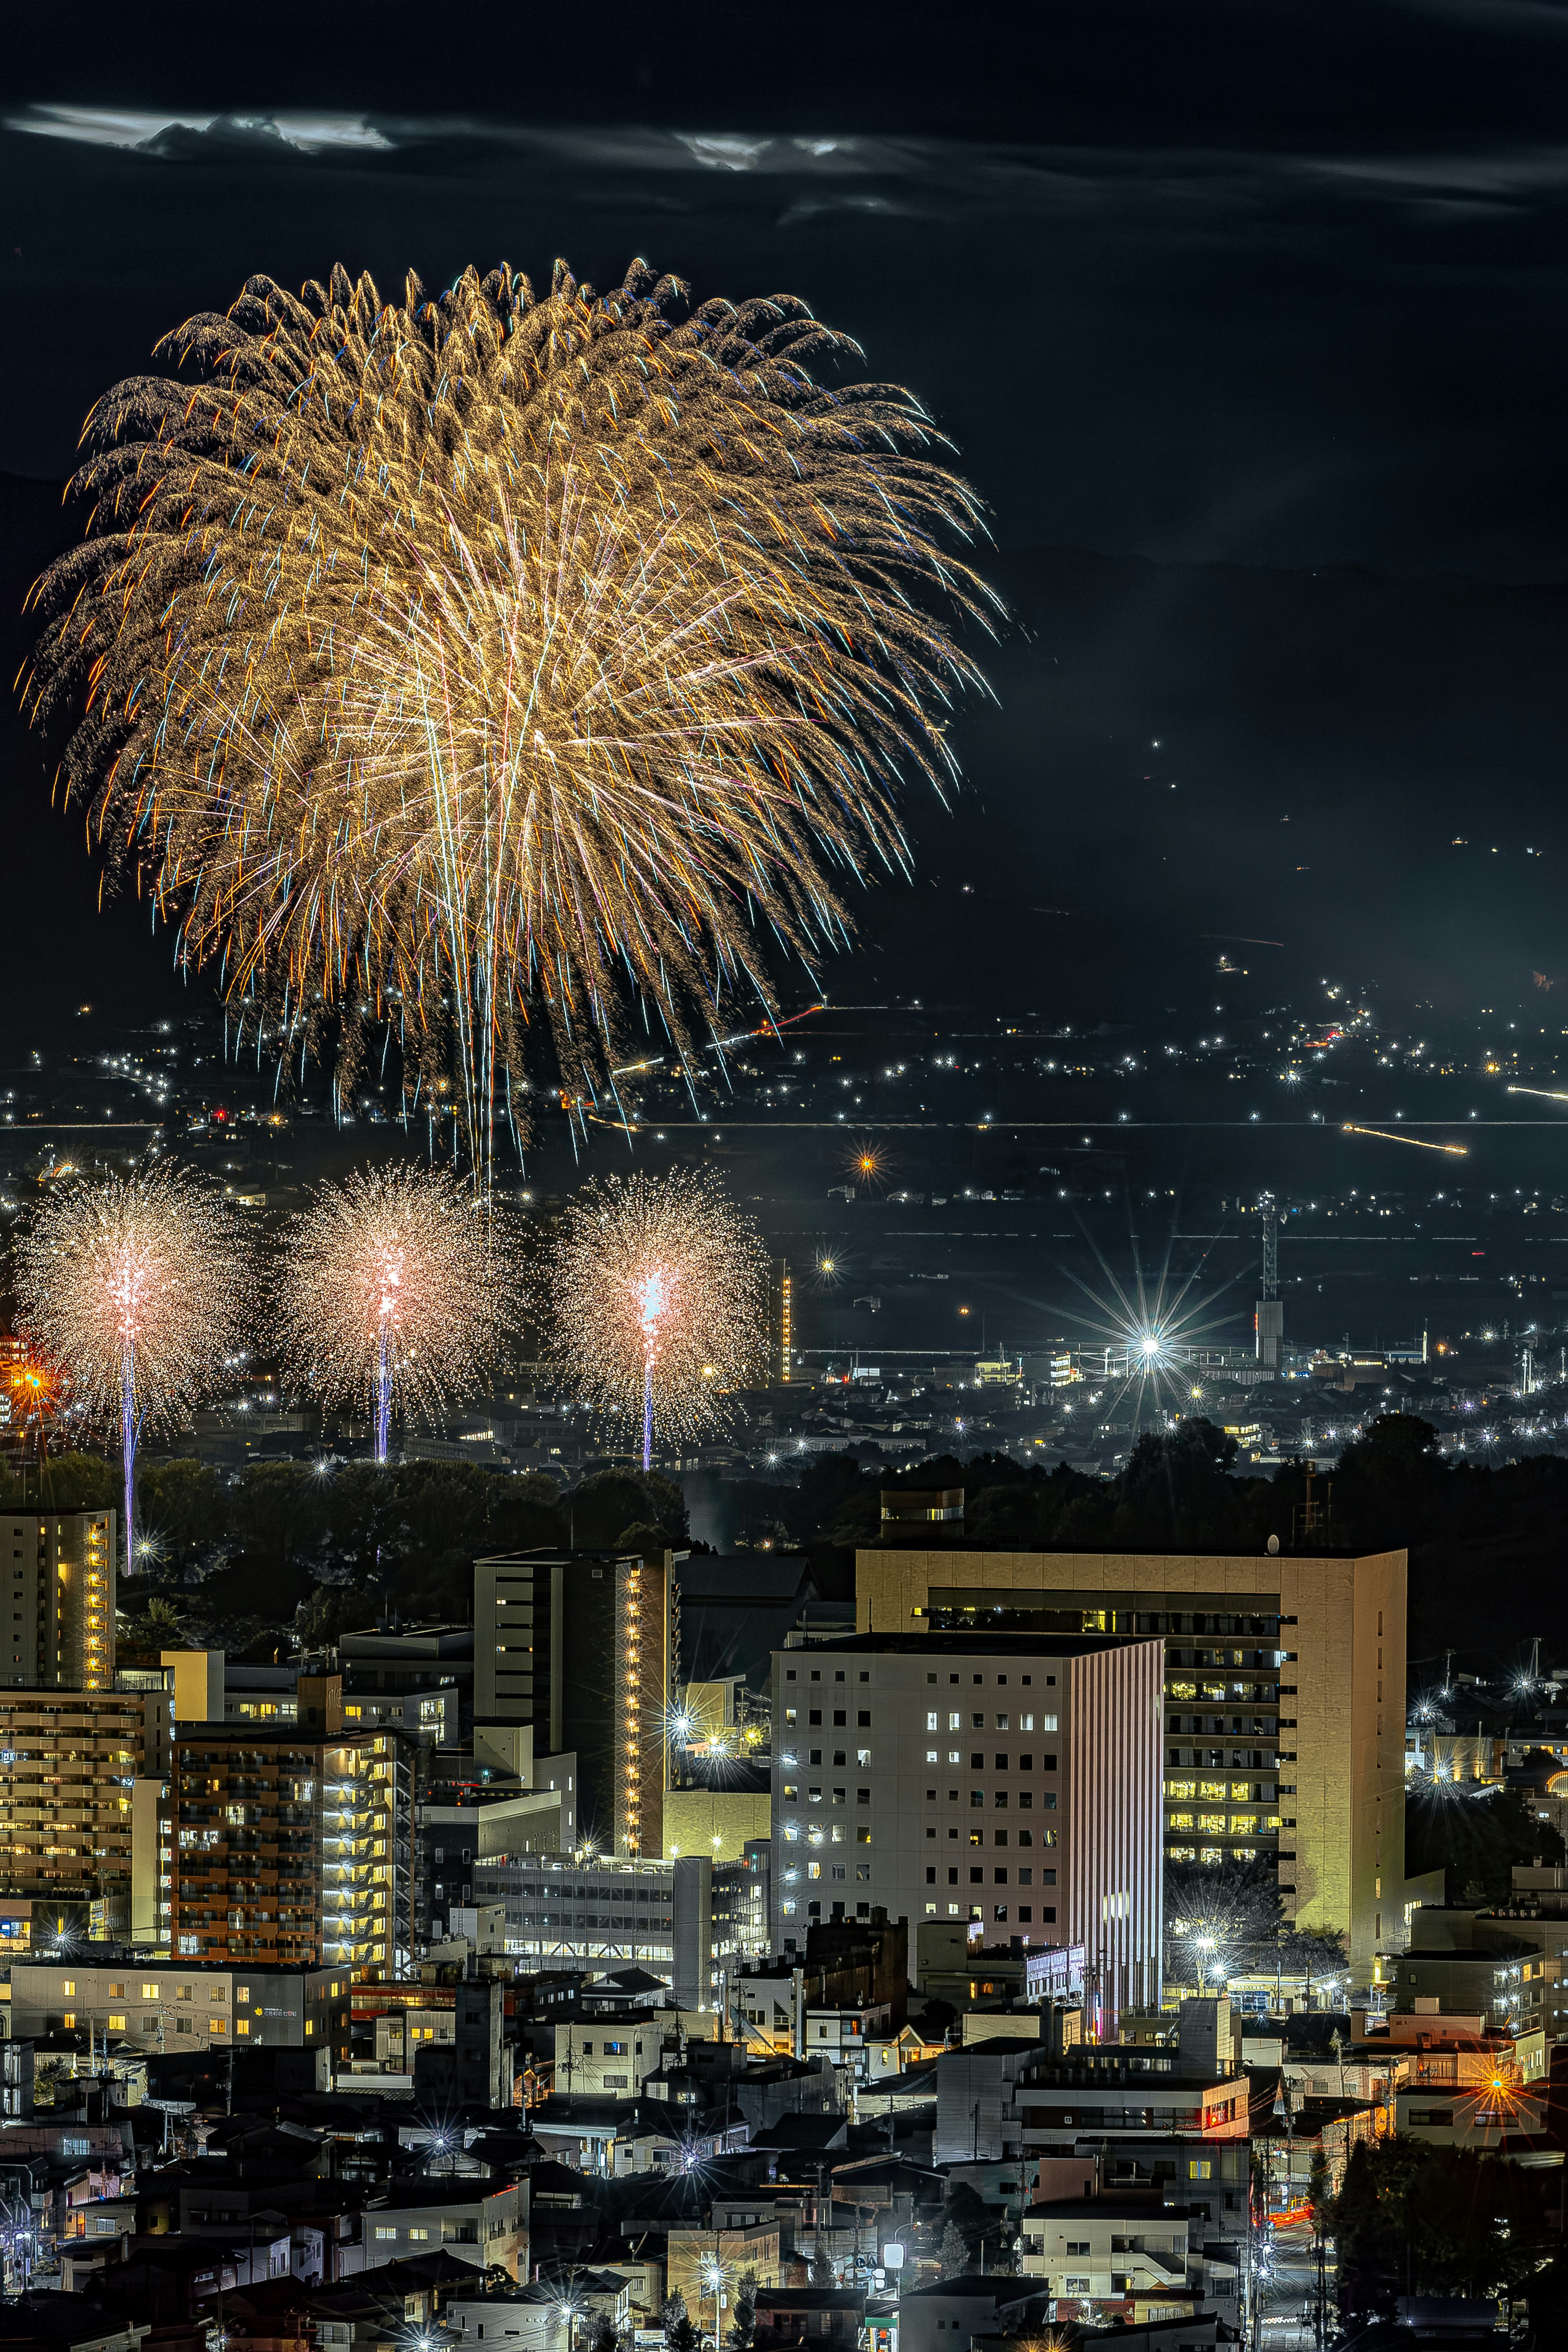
[[715, 2279]]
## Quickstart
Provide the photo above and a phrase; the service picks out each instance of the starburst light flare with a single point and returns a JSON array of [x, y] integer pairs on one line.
[[655, 1293], [137, 1289], [393, 1288], [456, 660]]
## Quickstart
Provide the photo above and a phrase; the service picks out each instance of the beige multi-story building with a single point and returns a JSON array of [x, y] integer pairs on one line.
[[58, 1595], [1284, 1702], [81, 1813], [156, 2006]]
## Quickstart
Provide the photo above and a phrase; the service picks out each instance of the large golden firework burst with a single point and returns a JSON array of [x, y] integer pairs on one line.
[[452, 661], [654, 1299]]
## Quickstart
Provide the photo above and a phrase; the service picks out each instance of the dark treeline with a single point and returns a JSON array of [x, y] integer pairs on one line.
[[251, 1551], [287, 1548], [1472, 1528]]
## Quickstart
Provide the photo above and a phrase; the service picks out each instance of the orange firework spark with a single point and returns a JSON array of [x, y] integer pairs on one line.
[[458, 657], [866, 1163]]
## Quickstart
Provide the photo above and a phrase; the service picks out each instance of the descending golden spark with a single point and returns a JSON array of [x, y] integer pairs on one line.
[[1456, 1150], [471, 659]]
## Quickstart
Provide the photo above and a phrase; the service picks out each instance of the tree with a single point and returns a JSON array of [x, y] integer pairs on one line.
[[1318, 2189], [743, 2312], [1477, 1837], [184, 1506], [158, 1626], [821, 2268], [680, 2335], [601, 2334], [954, 2251]]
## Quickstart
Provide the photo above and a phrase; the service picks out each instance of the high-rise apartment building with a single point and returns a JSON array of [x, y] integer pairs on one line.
[[582, 1647], [781, 1321], [81, 1777], [294, 1842], [1007, 1780], [1284, 1699], [57, 1596]]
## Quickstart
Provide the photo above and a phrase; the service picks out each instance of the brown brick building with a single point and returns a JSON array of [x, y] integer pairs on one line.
[[294, 1842]]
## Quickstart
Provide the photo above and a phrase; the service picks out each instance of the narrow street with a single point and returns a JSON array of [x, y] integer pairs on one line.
[[1289, 2300]]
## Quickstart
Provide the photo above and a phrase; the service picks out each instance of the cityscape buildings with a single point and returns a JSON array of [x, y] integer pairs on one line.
[[1283, 1699]]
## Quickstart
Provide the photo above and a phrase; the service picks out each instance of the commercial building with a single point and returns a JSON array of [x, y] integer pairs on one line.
[[81, 1781], [689, 1918], [1284, 1696], [61, 1585], [295, 1841], [581, 1648], [174, 2007], [1009, 1780]]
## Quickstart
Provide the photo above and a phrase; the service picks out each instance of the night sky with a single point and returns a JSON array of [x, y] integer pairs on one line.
[[1248, 324]]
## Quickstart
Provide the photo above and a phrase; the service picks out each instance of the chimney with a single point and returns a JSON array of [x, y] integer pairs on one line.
[[321, 1704]]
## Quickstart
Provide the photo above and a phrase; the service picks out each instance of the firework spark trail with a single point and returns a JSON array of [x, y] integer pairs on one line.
[[450, 661], [654, 1295], [1381, 1134], [139, 1288], [393, 1289]]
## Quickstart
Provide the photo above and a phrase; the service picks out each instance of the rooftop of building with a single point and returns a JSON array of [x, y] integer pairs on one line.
[[245, 1733], [432, 1641], [934, 1540], [965, 1645]]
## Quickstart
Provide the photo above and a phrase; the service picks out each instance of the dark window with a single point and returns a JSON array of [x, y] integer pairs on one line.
[[1047, 1913], [976, 1797], [999, 1876], [1026, 1763], [814, 1716], [1048, 1763], [863, 1720], [977, 1878], [931, 1876], [839, 1716], [953, 1878], [978, 1762], [1000, 1799], [1001, 1763]]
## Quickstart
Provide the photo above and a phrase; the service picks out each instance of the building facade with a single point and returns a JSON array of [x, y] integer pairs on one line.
[[81, 1774], [295, 1844], [164, 2007], [1284, 1700], [582, 1648], [60, 1580], [688, 1920], [1001, 1780]]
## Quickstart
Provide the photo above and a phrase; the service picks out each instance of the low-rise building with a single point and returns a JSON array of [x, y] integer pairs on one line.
[[173, 2006], [472, 2221]]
